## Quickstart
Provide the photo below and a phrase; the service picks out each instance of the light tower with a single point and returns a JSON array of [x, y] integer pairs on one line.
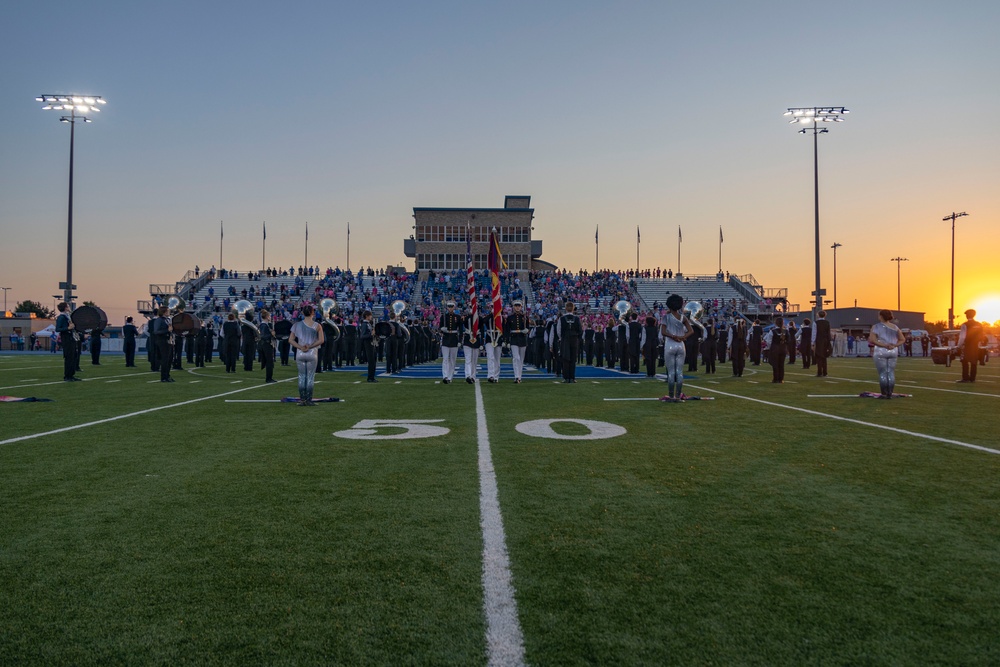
[[815, 116], [75, 106]]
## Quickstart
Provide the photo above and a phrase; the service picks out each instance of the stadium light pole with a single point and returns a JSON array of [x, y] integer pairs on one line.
[[75, 105], [899, 262], [951, 308], [835, 246], [5, 290], [816, 115]]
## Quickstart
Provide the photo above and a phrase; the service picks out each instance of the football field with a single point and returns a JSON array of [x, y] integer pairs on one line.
[[206, 522]]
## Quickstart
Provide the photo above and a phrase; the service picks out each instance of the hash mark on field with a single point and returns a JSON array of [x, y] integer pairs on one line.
[[359, 382], [236, 382], [110, 381], [194, 381], [398, 382]]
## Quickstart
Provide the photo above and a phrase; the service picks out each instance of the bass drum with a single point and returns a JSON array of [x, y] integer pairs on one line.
[[185, 322], [88, 318], [383, 329], [283, 329]]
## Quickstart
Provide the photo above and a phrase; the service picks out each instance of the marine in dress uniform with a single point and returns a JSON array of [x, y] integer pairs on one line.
[[470, 349], [515, 331], [450, 327]]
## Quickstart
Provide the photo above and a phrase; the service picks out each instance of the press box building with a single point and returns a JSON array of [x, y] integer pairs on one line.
[[439, 236]]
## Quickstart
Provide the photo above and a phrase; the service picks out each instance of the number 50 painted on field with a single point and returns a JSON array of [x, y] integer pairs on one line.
[[368, 429]]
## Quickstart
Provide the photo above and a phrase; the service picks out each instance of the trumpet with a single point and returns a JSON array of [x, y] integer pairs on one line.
[[326, 308]]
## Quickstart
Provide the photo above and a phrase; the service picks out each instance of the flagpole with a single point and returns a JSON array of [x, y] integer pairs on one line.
[[720, 248], [263, 247], [680, 238], [637, 250], [307, 243], [348, 246], [222, 235], [597, 252]]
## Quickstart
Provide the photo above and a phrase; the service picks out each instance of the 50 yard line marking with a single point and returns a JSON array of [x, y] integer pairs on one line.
[[504, 639]]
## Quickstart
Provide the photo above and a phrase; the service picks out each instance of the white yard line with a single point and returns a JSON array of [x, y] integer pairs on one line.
[[918, 386], [504, 639], [124, 416], [854, 421], [45, 384]]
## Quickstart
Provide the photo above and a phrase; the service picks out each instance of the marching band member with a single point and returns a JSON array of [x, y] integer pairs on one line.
[[163, 331], [306, 336], [516, 329], [777, 345], [675, 329], [366, 334], [886, 337], [266, 344], [738, 346], [569, 331], [450, 326], [231, 335], [65, 328], [129, 332]]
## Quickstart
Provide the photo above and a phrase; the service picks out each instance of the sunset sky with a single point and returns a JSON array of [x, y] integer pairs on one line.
[[648, 114]]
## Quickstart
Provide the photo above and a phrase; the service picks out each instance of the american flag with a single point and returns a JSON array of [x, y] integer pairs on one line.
[[471, 282]]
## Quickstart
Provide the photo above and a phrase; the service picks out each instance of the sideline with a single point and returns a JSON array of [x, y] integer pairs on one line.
[[855, 421], [504, 639], [127, 415]]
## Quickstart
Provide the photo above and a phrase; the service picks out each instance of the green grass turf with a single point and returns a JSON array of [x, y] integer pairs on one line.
[[713, 532]]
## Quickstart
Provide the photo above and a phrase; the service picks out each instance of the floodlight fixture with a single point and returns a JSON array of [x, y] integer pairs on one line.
[[76, 105]]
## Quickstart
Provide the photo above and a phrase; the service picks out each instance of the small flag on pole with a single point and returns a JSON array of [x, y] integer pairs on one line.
[[307, 231], [680, 237], [265, 230], [638, 238], [596, 232], [720, 233], [222, 232]]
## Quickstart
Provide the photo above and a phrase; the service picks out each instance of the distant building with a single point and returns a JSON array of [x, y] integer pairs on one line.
[[862, 319], [439, 239]]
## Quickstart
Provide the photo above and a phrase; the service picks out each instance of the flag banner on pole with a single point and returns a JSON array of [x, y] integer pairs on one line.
[[495, 262], [348, 230], [680, 237], [265, 230], [596, 232], [638, 239], [307, 231], [471, 282], [222, 232], [720, 234]]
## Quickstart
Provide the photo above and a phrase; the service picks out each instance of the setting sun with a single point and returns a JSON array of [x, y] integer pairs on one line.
[[988, 309]]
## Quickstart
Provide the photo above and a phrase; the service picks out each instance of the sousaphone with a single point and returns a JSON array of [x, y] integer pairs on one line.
[[181, 321], [399, 307], [326, 310]]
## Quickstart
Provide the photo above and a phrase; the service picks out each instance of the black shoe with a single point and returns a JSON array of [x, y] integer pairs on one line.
[[269, 381], [446, 381], [470, 381]]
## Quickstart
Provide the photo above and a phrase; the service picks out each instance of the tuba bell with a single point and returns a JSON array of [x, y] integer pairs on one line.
[[694, 310], [623, 308], [326, 310], [399, 307], [241, 309], [175, 304]]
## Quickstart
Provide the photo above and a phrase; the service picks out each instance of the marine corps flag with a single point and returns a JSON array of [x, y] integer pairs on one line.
[[495, 263]]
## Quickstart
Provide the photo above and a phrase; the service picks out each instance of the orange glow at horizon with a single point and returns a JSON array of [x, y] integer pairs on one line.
[[987, 309]]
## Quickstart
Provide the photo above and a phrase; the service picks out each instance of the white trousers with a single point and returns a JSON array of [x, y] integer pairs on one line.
[[471, 361], [448, 357], [517, 354], [493, 361]]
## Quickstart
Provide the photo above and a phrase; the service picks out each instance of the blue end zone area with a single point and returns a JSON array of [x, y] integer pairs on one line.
[[432, 371]]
